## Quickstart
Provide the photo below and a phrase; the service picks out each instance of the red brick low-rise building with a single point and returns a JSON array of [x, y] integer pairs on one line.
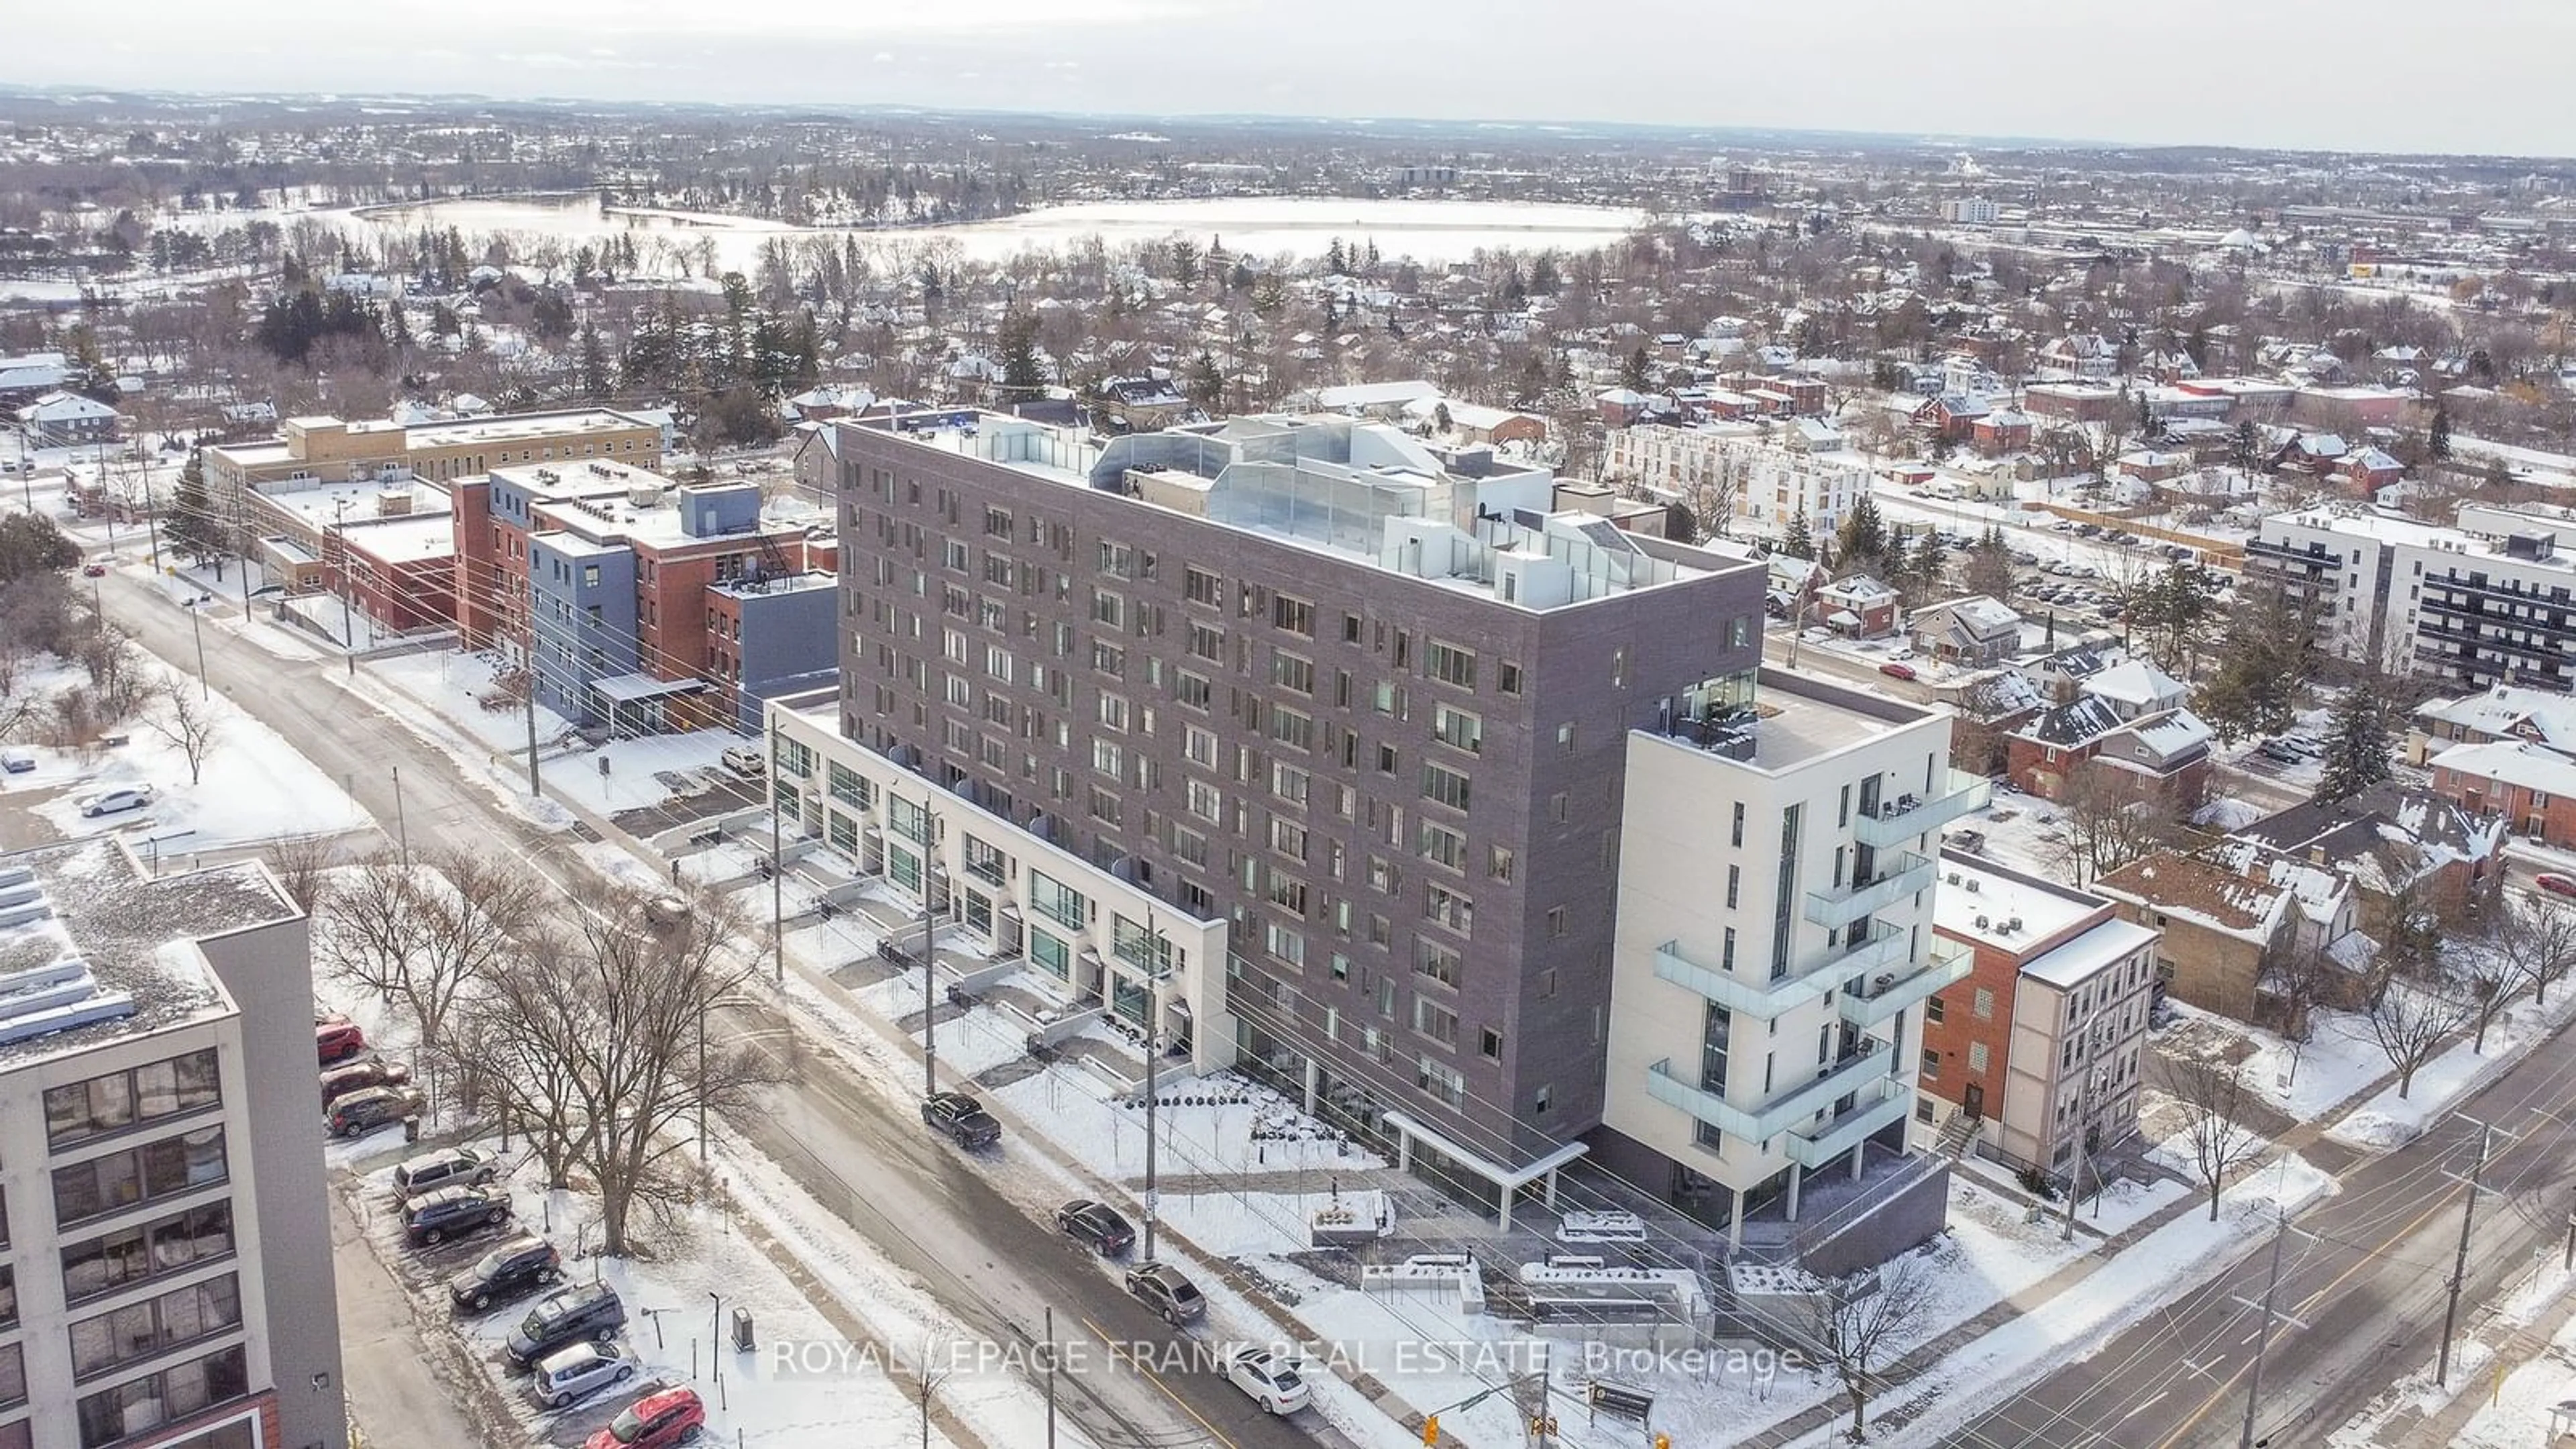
[[2531, 789]]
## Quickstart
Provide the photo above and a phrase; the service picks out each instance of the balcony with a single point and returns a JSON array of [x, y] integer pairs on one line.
[[1908, 816], [1867, 1003], [1784, 1110], [1902, 875], [1770, 1000], [1875, 1112]]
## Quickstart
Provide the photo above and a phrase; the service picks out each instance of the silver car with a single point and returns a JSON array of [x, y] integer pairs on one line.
[[569, 1375]]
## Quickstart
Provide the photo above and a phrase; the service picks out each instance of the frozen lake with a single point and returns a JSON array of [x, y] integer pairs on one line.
[[1429, 231]]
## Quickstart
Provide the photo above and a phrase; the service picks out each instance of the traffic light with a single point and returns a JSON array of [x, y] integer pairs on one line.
[[1431, 1429]]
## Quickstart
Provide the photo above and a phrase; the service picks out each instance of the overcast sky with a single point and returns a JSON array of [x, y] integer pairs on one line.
[[2392, 75]]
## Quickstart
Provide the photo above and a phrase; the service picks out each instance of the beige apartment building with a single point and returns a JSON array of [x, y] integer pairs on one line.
[[317, 451], [167, 1243]]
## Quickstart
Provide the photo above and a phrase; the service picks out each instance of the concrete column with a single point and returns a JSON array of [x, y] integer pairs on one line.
[[1403, 1150], [1314, 1082], [1507, 1193], [1551, 1189], [1860, 1160], [1735, 1218]]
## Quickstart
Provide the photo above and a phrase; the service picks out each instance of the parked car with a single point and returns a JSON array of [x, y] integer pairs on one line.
[[2279, 753], [115, 798], [1968, 840], [337, 1038], [1271, 1381], [94, 571], [569, 1375], [962, 1119], [1897, 671], [447, 1167], [452, 1212], [517, 1267], [563, 1318], [17, 761], [744, 762], [340, 1081], [368, 1108], [2555, 884], [655, 1421], [1163, 1288], [1096, 1225]]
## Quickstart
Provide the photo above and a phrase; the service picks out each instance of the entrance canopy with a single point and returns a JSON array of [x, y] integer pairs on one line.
[[632, 688], [1508, 1181]]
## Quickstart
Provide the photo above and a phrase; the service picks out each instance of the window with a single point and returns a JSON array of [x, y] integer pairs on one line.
[[1435, 1021], [1444, 785], [1148, 951], [1290, 672], [1441, 963], [1932, 1008], [1190, 690], [1207, 642], [1509, 681], [1201, 587], [1108, 608], [1441, 844], [178, 1392], [155, 1325], [1977, 1056], [1058, 902], [165, 1168], [1450, 664], [1489, 1045], [146, 1250], [1498, 863], [1294, 615], [1458, 729], [1556, 922], [1441, 1081], [1448, 908], [1931, 1064], [1734, 885], [1284, 944], [1289, 783], [1736, 835], [1292, 728], [1985, 1007], [1288, 838], [1205, 801], [1117, 560], [118, 1100], [997, 523]]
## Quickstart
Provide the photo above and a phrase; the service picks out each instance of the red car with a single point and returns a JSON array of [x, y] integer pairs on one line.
[[338, 1039], [94, 571], [1897, 671], [655, 1421], [2555, 884]]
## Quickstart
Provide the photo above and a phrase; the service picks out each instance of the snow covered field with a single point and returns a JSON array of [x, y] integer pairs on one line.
[[253, 786]]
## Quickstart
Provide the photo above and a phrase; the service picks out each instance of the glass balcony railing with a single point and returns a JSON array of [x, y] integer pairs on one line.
[[1900, 875], [1782, 1110], [1873, 999], [1907, 816], [1877, 1109], [1882, 947]]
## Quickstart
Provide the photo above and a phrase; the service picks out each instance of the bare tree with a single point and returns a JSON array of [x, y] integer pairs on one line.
[[302, 865], [2106, 824], [427, 937], [614, 1006], [372, 930], [517, 1039], [188, 722], [2488, 977], [2214, 1097], [2540, 935], [2411, 1020], [1860, 1321]]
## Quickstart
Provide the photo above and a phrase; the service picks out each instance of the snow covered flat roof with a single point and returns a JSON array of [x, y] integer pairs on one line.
[[2102, 947], [1972, 890]]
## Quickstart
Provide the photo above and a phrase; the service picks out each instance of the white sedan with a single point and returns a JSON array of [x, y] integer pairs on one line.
[[121, 797], [1271, 1381]]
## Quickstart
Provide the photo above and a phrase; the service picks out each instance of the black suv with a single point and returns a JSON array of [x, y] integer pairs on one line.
[[519, 1266], [368, 1108], [1096, 1224], [452, 1212], [962, 1118], [1169, 1294], [566, 1317]]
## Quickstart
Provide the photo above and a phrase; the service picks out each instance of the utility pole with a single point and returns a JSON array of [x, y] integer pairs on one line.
[[1050, 1375], [2568, 1264], [2263, 1339], [197, 632], [777, 867], [1153, 1080], [536, 789], [2460, 1262], [402, 827], [2075, 1179]]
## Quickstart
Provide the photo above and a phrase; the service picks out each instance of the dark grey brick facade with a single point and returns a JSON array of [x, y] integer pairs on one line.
[[1338, 872]]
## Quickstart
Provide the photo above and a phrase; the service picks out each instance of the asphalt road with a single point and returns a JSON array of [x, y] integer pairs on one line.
[[934, 1213], [2365, 1272]]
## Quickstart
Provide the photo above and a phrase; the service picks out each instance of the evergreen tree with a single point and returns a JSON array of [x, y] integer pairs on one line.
[[2247, 451], [1335, 263], [2438, 440], [1632, 373], [192, 528], [595, 381], [1543, 278], [1988, 569], [1800, 540], [1862, 541], [1206, 385], [1022, 376], [1929, 567], [2357, 753]]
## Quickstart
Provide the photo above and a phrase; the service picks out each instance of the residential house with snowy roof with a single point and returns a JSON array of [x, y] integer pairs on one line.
[[2502, 712], [2396, 843], [2128, 718], [2246, 933], [1859, 606], [1975, 631], [67, 420], [2530, 788]]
